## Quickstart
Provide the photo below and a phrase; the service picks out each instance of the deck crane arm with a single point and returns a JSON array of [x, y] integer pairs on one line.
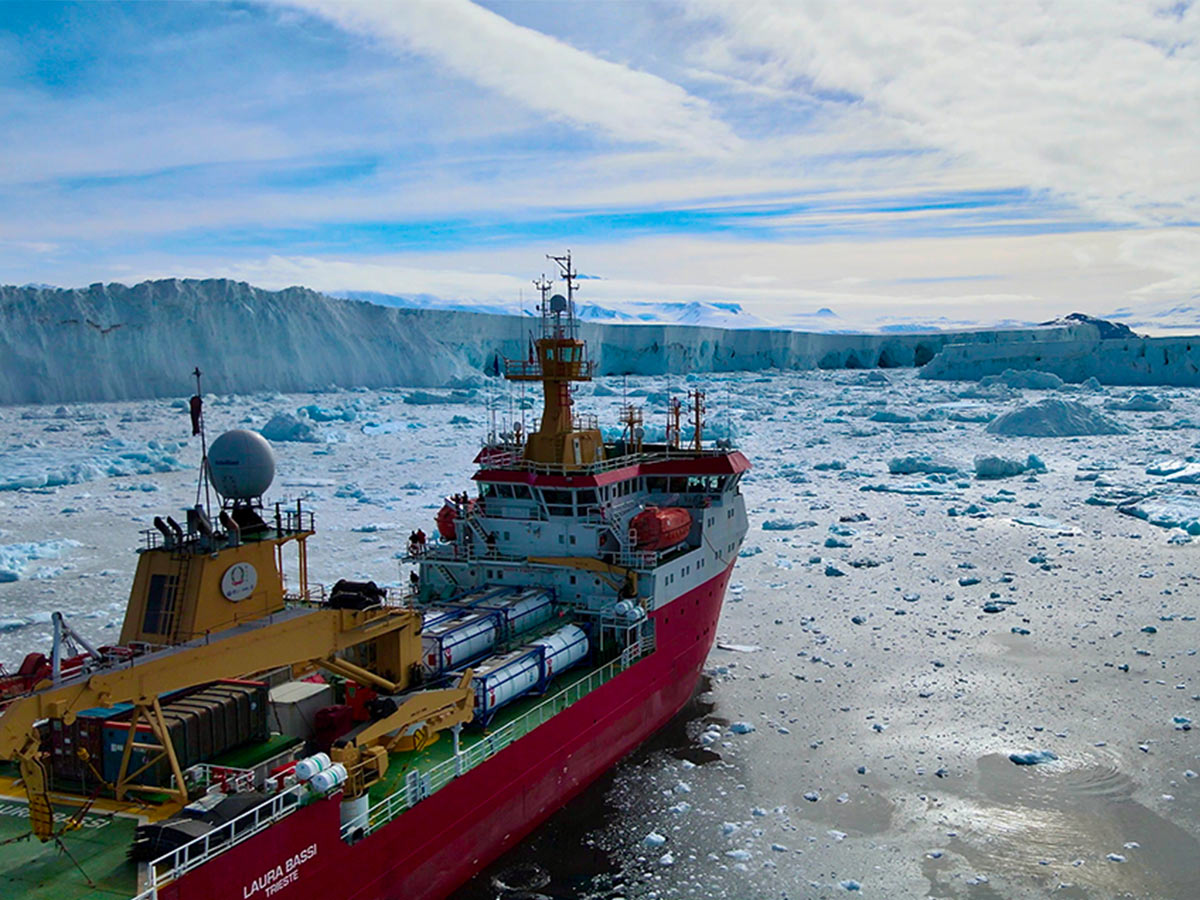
[[297, 637]]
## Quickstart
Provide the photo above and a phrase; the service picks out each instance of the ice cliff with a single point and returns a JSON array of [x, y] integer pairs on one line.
[[1117, 358], [109, 342]]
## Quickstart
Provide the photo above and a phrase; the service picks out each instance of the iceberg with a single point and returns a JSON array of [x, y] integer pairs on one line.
[[1002, 467], [1143, 401], [285, 427], [1053, 417], [923, 464], [1166, 511], [1030, 379]]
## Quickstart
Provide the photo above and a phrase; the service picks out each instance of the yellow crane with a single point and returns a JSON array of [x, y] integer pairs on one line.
[[388, 636]]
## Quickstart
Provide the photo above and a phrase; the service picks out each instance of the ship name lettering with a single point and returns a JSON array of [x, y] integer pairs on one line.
[[274, 880]]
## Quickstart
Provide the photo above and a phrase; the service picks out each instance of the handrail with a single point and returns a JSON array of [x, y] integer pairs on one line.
[[510, 457], [420, 784], [183, 859], [204, 775], [200, 850]]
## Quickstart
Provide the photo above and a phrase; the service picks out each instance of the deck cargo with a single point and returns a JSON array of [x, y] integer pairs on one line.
[[202, 725]]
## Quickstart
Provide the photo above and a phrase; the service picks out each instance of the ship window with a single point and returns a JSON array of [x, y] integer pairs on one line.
[[504, 490], [160, 604], [572, 579], [558, 503], [521, 492], [486, 489], [656, 485], [677, 485], [587, 498]]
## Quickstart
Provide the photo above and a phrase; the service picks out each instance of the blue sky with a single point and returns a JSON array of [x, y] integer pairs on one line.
[[894, 161]]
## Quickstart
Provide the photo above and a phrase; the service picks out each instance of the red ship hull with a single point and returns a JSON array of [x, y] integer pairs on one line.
[[441, 842]]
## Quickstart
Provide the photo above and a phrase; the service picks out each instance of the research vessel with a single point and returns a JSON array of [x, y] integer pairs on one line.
[[252, 735]]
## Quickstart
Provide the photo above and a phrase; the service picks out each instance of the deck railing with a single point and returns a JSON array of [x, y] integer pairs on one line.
[[512, 457], [419, 784], [205, 776], [197, 852]]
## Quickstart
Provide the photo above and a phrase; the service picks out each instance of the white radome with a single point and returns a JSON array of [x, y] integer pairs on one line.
[[241, 464]]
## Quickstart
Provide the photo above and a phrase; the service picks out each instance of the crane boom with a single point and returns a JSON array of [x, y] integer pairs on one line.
[[287, 638]]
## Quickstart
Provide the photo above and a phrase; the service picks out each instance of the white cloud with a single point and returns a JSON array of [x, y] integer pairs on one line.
[[536, 70], [1093, 99]]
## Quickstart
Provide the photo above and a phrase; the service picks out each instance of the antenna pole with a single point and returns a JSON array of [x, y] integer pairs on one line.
[[198, 419], [569, 275]]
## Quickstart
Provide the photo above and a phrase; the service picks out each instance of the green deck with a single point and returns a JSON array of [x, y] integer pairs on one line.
[[250, 755], [442, 750], [29, 869]]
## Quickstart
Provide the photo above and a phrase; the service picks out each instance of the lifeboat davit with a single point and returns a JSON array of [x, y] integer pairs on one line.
[[657, 528], [447, 517]]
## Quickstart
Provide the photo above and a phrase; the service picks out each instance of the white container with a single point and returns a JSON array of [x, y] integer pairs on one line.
[[562, 649], [505, 679], [294, 704], [527, 610], [453, 644], [431, 618], [311, 765], [328, 780]]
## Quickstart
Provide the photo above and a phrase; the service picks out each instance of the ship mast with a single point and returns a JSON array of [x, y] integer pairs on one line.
[[559, 358]]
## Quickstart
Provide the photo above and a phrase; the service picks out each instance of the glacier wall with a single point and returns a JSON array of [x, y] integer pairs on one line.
[[111, 342], [1123, 361]]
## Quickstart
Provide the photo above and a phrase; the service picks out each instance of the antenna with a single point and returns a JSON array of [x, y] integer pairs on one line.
[[698, 410], [197, 410], [569, 275]]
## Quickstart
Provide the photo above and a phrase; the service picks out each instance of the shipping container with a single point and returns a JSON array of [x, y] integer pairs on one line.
[[202, 724], [63, 743], [294, 706]]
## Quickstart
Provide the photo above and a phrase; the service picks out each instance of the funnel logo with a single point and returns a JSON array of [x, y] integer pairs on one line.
[[239, 581]]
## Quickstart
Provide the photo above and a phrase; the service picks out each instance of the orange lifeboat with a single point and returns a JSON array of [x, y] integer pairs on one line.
[[447, 516], [658, 528]]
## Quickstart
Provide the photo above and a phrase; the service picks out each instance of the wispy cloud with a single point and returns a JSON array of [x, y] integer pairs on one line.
[[878, 155], [536, 70], [1093, 101]]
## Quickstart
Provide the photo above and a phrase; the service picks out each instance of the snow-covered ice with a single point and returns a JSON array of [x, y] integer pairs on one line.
[[891, 692]]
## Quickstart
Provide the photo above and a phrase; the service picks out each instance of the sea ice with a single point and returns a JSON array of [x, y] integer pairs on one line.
[[14, 558]]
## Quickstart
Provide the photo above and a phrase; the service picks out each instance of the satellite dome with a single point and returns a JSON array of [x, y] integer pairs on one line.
[[241, 464]]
